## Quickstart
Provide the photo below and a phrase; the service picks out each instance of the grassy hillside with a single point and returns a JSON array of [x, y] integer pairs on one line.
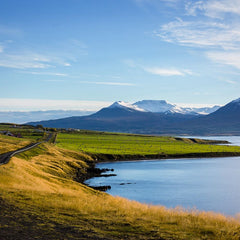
[[138, 145], [8, 144], [40, 198]]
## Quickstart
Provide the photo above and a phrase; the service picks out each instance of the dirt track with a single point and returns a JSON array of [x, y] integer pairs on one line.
[[5, 157]]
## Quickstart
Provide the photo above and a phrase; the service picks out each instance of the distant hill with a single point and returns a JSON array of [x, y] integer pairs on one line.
[[226, 120], [23, 117], [123, 117]]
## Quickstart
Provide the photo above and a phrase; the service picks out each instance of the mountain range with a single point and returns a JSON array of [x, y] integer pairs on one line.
[[161, 106], [157, 117], [27, 116]]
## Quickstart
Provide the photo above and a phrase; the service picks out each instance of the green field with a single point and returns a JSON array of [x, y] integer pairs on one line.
[[128, 144], [27, 132]]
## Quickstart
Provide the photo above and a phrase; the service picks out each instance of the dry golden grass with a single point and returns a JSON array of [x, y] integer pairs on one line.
[[40, 198], [11, 143]]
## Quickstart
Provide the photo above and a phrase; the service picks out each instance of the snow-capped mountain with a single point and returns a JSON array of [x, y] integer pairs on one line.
[[204, 110], [161, 106], [154, 105], [124, 117], [122, 104]]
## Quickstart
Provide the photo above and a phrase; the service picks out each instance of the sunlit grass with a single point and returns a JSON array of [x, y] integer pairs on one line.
[[40, 198], [135, 145], [26, 132], [11, 143]]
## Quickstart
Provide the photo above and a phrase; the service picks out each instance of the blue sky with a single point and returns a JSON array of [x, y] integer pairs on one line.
[[85, 54]]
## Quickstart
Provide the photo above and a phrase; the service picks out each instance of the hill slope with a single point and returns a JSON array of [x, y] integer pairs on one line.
[[41, 198]]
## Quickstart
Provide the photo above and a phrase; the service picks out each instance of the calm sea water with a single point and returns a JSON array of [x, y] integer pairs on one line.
[[210, 184]]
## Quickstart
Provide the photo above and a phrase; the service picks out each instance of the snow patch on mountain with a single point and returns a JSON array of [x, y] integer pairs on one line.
[[206, 110], [159, 106], [162, 106], [122, 104]]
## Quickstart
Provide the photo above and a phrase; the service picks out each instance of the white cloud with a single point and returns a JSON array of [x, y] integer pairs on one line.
[[167, 72], [12, 56], [46, 73], [164, 72], [109, 83], [213, 8], [215, 25], [16, 104], [23, 61], [201, 34], [229, 58], [30, 60], [230, 81], [192, 7]]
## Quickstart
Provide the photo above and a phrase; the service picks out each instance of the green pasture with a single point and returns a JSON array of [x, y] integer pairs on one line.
[[127, 144], [24, 131]]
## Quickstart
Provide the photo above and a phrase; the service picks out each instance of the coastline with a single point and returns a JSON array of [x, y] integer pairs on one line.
[[93, 171], [101, 158]]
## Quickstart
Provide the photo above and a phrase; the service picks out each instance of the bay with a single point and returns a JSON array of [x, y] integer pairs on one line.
[[210, 184]]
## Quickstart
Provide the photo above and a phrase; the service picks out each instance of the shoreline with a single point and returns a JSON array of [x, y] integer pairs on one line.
[[103, 158], [93, 171]]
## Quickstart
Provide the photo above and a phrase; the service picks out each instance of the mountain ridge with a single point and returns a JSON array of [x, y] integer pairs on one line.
[[122, 117]]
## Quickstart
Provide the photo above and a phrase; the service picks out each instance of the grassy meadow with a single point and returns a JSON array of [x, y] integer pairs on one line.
[[130, 144], [27, 132], [41, 198], [8, 144]]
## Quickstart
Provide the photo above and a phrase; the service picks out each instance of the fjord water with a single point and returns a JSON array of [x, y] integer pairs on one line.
[[210, 184]]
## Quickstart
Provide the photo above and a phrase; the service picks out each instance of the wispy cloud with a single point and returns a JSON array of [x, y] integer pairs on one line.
[[30, 60], [46, 73], [13, 55], [166, 72], [109, 83], [223, 57], [67, 64], [17, 104], [200, 34], [230, 81], [213, 8], [23, 61], [214, 27]]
